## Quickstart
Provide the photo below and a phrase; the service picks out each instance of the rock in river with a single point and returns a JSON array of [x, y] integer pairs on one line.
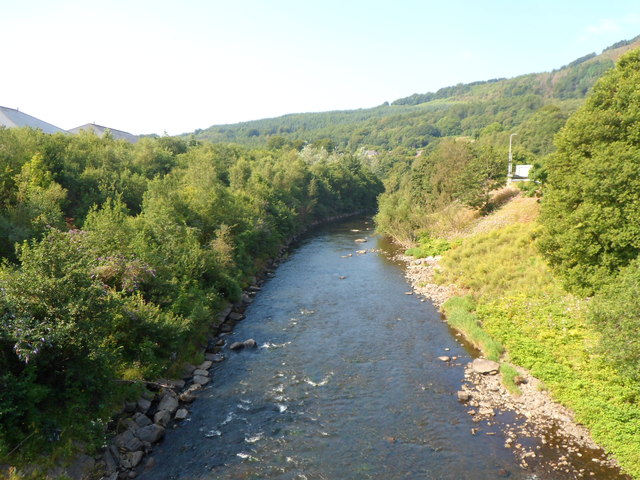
[[485, 367], [151, 433]]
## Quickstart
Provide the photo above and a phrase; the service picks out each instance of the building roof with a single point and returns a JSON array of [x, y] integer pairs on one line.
[[11, 118], [100, 130]]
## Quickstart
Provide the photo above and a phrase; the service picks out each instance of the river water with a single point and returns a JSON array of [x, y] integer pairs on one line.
[[345, 383]]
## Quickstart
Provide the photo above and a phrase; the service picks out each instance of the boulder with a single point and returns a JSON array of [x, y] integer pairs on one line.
[[132, 459], [162, 418], [464, 396], [187, 370], [130, 424], [115, 455], [111, 465], [141, 419], [187, 397], [199, 371], [181, 414], [223, 314], [178, 384], [151, 433], [250, 343], [206, 365], [237, 346], [485, 367], [236, 316], [130, 407], [144, 405], [444, 358], [214, 357], [127, 441], [201, 379], [361, 240], [226, 327], [168, 403]]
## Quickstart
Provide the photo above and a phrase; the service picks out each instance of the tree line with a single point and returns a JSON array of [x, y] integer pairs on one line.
[[116, 257]]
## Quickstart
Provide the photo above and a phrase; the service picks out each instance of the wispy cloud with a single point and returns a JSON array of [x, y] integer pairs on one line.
[[605, 25], [631, 19]]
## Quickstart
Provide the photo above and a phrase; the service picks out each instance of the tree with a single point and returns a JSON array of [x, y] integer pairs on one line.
[[592, 200]]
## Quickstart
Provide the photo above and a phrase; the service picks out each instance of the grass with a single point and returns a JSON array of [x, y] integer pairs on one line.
[[428, 247], [516, 303], [509, 375], [460, 315], [498, 262]]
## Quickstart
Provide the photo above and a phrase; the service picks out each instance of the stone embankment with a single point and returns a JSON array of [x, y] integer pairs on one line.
[[143, 423], [165, 403]]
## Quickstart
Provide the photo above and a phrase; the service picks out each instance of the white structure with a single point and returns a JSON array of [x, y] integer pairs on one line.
[[99, 130], [522, 172], [11, 118]]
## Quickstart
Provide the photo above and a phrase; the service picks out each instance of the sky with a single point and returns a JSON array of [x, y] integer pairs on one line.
[[159, 66]]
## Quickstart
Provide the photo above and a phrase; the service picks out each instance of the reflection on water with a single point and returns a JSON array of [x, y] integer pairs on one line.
[[346, 383]]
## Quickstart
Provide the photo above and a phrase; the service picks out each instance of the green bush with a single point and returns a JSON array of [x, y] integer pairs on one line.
[[429, 247], [615, 312], [590, 208]]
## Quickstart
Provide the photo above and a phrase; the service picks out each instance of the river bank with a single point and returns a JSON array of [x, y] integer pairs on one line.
[[559, 443]]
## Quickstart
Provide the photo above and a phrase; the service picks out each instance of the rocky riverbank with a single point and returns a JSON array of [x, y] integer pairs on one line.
[[543, 433], [141, 424]]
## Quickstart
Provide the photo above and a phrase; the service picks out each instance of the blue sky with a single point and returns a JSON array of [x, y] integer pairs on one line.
[[155, 66]]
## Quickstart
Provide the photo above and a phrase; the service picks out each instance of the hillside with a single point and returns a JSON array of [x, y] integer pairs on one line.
[[417, 120]]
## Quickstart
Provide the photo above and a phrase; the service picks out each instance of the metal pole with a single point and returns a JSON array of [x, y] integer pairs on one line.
[[509, 174]]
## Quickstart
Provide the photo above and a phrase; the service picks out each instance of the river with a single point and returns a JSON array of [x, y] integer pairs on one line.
[[346, 382]]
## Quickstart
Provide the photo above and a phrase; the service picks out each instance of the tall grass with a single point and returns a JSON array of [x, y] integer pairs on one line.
[[460, 315], [498, 263], [517, 303]]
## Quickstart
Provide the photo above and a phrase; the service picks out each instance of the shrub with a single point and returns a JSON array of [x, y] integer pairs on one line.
[[590, 205], [429, 247], [615, 312]]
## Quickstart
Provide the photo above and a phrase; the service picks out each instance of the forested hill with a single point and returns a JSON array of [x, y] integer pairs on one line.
[[417, 120]]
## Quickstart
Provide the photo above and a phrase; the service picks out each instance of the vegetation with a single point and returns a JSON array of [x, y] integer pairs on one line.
[[460, 315], [117, 256], [591, 196], [428, 247], [546, 331]]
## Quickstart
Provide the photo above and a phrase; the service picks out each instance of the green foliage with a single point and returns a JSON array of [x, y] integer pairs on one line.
[[549, 336], [545, 331], [428, 247], [473, 264], [593, 184], [170, 230], [461, 316], [577, 82], [615, 312], [509, 374]]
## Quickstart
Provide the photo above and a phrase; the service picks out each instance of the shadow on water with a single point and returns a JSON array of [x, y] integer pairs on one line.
[[345, 383]]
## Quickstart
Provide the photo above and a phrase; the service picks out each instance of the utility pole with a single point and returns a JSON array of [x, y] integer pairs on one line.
[[509, 173]]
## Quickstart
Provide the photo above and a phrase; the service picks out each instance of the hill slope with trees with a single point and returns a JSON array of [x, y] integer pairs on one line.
[[416, 121]]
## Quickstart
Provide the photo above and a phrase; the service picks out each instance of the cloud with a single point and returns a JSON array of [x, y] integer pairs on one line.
[[632, 19], [605, 25]]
